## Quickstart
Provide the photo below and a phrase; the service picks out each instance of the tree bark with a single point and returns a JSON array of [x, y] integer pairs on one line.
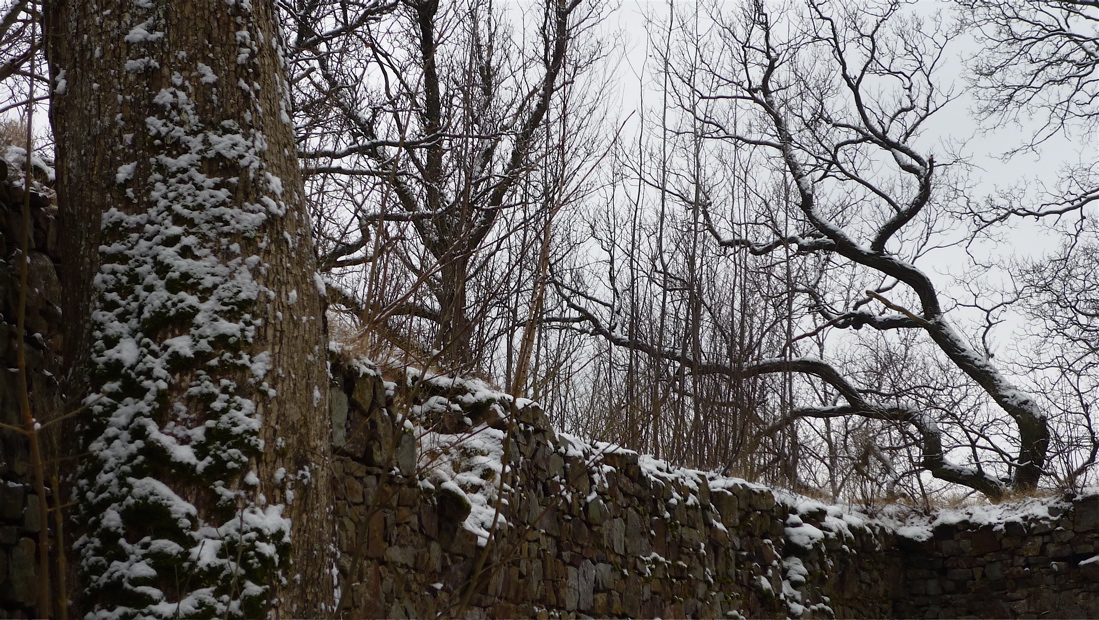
[[454, 340], [193, 313]]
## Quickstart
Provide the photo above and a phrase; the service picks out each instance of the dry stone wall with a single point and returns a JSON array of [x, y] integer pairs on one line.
[[1038, 561], [586, 530], [43, 314], [19, 527], [583, 530], [20, 521]]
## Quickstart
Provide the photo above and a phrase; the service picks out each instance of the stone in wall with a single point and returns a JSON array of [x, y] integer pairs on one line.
[[19, 525]]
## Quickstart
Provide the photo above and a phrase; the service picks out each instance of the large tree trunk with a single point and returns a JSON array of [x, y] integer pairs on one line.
[[193, 313]]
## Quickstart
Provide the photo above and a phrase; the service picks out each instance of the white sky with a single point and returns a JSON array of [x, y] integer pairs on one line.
[[985, 147]]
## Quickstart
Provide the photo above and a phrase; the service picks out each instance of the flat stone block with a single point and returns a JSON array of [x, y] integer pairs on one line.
[[23, 577], [12, 498], [9, 535]]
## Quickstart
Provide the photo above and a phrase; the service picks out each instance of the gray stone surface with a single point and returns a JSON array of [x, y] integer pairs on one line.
[[338, 403], [23, 578], [586, 577], [407, 453], [20, 518], [12, 500], [572, 589]]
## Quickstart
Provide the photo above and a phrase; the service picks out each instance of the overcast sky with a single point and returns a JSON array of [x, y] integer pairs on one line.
[[985, 148]]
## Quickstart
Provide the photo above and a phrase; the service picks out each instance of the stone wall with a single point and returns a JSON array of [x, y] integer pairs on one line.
[[20, 520], [1038, 560], [589, 530], [19, 526], [584, 530]]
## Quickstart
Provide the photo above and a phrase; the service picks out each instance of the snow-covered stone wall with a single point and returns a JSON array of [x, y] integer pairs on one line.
[[580, 529], [586, 529], [20, 518], [1037, 558]]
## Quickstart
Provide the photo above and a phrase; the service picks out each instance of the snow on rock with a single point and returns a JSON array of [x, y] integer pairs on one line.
[[16, 159], [919, 527], [470, 466], [467, 460]]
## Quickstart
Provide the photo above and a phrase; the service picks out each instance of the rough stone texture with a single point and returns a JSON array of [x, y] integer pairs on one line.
[[1042, 563], [599, 533], [611, 534], [43, 322], [19, 515]]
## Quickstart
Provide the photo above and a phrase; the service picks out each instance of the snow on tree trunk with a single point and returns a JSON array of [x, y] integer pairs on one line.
[[194, 315]]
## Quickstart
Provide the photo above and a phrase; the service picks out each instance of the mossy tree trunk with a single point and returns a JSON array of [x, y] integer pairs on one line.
[[193, 311]]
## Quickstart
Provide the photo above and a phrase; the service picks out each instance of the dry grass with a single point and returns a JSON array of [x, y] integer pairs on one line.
[[13, 133], [393, 345], [387, 347]]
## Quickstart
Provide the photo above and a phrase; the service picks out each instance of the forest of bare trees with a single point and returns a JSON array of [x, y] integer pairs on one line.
[[764, 238], [739, 268]]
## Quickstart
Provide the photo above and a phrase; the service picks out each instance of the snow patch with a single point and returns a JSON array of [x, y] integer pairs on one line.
[[62, 85], [206, 74], [125, 172], [141, 33]]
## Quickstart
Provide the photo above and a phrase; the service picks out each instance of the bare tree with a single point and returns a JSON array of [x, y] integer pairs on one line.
[[868, 194], [1058, 294], [1038, 57], [832, 101], [1038, 70], [439, 123], [664, 281], [1039, 62], [17, 46]]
